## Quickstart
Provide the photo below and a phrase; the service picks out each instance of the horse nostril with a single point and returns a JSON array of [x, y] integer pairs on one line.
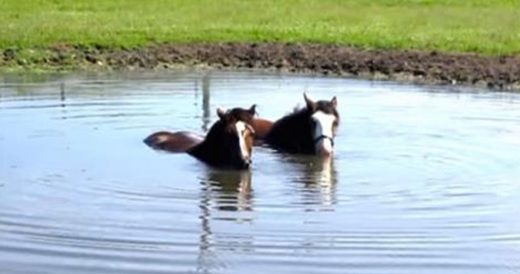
[[247, 162]]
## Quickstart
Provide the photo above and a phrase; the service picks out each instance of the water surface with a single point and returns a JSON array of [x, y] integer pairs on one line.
[[424, 179]]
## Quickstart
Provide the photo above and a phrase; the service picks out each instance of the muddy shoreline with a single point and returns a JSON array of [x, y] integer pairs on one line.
[[433, 67]]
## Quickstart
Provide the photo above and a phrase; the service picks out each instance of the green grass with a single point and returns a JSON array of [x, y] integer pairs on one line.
[[489, 27]]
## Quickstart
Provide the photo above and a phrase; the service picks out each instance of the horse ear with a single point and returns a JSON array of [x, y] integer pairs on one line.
[[252, 110], [334, 102], [221, 113], [310, 104]]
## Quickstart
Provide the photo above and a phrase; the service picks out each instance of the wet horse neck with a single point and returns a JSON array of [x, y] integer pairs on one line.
[[208, 150], [292, 133]]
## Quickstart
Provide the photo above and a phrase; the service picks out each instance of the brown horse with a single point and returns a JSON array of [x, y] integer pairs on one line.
[[262, 127], [228, 143], [310, 130]]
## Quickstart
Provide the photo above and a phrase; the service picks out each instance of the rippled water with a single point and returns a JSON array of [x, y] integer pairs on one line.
[[424, 179]]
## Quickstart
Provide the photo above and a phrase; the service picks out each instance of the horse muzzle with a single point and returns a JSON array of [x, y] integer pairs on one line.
[[324, 145], [244, 164], [247, 163]]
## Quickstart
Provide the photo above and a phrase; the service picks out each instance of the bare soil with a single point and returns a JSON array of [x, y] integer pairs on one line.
[[497, 72]]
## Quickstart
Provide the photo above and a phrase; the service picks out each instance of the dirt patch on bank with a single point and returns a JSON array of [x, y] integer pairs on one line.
[[411, 66]]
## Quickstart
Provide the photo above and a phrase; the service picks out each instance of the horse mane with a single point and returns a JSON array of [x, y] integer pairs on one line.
[[291, 132]]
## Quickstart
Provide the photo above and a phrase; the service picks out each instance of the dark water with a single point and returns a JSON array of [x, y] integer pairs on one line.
[[423, 180]]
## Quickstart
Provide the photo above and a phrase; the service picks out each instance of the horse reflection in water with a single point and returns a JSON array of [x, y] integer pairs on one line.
[[227, 204], [318, 177], [226, 196], [230, 190]]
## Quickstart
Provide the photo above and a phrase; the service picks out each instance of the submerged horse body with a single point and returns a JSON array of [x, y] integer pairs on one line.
[[180, 141], [261, 127], [310, 130], [227, 144]]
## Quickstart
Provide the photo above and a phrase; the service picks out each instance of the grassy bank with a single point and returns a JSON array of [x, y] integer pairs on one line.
[[489, 27]]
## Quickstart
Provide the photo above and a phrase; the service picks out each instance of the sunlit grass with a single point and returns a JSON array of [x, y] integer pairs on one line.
[[491, 27]]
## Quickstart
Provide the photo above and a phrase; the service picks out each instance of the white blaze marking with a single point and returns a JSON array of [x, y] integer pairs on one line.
[[241, 127], [324, 127]]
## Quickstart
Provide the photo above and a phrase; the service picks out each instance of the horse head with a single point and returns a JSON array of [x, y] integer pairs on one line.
[[324, 120], [230, 140]]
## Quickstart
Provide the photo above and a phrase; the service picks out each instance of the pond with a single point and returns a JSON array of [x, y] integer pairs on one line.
[[424, 179]]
